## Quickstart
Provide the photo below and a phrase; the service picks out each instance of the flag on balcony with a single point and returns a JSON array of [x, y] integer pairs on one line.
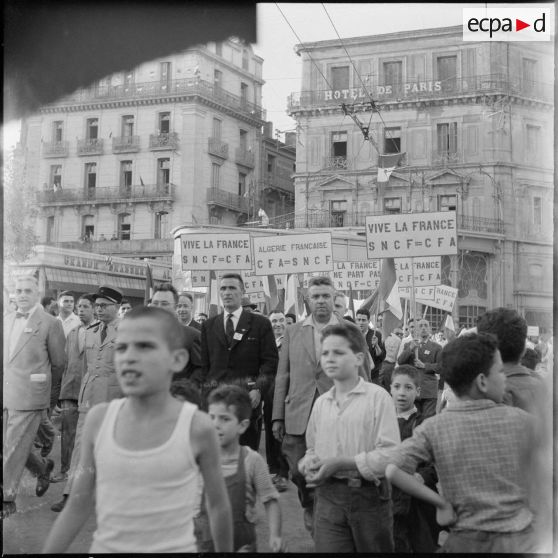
[[148, 283], [387, 164]]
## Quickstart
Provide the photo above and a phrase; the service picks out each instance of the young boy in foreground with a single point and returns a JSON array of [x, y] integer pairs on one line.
[[481, 450], [142, 454], [352, 513], [246, 475]]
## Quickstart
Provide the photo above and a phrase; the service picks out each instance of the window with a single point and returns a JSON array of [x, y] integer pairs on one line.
[[126, 175], [92, 129], [468, 315], [57, 131], [127, 126], [339, 144], [164, 122], [392, 205], [271, 161], [537, 211], [163, 172], [90, 175], [218, 78], [436, 317], [532, 136], [55, 177], [88, 227], [528, 74], [243, 137], [245, 59], [50, 229], [215, 175], [392, 140], [243, 93], [124, 227], [447, 203], [219, 49], [241, 184], [217, 126], [340, 78], [165, 73], [393, 73], [161, 224], [337, 210], [447, 138], [446, 67]]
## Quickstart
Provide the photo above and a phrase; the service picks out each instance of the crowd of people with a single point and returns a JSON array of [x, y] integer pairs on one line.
[[390, 438]]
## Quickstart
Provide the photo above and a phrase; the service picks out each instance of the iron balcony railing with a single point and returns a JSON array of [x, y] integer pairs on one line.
[[218, 148], [277, 186], [429, 89], [90, 146], [216, 196], [244, 157], [55, 149], [125, 144], [162, 142], [447, 157], [169, 88], [137, 192], [318, 218], [336, 163]]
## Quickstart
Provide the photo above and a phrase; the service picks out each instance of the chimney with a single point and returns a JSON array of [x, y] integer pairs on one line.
[[268, 130], [290, 139]]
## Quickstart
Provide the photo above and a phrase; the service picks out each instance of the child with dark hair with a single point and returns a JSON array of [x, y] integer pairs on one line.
[[482, 452], [414, 522], [352, 509], [246, 475]]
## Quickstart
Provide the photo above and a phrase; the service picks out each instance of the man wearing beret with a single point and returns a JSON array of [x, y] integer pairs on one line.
[[99, 385]]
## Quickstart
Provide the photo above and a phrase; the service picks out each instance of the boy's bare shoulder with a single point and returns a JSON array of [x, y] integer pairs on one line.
[[201, 423]]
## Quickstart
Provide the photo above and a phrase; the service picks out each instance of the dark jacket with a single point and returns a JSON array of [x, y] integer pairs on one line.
[[192, 343], [252, 357], [431, 355], [378, 359]]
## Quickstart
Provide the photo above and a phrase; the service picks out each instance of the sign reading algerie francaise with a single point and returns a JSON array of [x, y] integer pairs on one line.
[[297, 253], [215, 251], [405, 235]]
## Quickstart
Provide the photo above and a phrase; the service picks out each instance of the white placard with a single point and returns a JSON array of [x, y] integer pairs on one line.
[[210, 251], [254, 283], [297, 253], [257, 297], [356, 275], [423, 295], [532, 331], [281, 281], [405, 235], [444, 297], [200, 278], [428, 271]]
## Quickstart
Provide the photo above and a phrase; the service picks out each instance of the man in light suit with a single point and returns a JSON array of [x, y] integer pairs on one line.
[[300, 380], [239, 347], [34, 360]]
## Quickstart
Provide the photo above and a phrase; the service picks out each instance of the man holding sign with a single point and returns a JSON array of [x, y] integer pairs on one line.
[[426, 355]]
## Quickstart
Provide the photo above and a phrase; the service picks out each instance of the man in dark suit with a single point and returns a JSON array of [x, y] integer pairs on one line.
[[184, 310], [239, 347], [374, 343], [34, 360], [426, 355]]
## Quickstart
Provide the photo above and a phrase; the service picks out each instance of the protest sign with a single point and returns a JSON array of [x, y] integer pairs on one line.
[[423, 295], [428, 271], [444, 297], [404, 235], [200, 278], [532, 331], [297, 253], [307, 276], [356, 275], [208, 251], [255, 283]]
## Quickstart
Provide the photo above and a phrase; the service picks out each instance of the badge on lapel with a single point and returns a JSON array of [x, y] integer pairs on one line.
[[237, 336]]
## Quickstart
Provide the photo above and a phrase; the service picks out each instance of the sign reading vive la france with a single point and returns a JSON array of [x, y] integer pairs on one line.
[[216, 251], [403, 235], [297, 253]]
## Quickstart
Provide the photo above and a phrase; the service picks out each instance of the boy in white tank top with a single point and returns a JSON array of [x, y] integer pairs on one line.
[[141, 454]]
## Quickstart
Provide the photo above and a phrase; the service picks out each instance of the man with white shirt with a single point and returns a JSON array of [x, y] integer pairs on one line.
[[34, 360], [69, 320]]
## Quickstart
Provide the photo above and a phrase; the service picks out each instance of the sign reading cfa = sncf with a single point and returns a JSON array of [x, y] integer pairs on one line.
[[508, 24], [405, 235]]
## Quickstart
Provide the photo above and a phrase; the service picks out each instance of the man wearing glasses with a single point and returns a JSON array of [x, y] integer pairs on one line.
[[99, 385]]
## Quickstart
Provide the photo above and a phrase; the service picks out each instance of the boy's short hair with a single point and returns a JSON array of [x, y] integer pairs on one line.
[[47, 300], [509, 328], [167, 287], [292, 316], [171, 329], [235, 397], [66, 293], [531, 358], [185, 390], [364, 312], [408, 370], [464, 358], [89, 297], [348, 331]]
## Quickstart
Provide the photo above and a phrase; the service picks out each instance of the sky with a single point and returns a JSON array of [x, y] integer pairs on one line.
[[282, 68]]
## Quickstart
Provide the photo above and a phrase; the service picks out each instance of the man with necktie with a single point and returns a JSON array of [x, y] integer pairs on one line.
[[238, 347], [34, 360]]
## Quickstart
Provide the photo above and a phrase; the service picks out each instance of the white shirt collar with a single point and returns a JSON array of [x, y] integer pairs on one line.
[[405, 415], [236, 314]]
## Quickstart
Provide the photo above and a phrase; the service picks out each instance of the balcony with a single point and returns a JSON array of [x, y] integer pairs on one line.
[[126, 144], [55, 149], [446, 158], [135, 193], [271, 186], [126, 248], [163, 142], [244, 157], [336, 163], [90, 146], [218, 148], [491, 84], [480, 224], [190, 87], [228, 200]]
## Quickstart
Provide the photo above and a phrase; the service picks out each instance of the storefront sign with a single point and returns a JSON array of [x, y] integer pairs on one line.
[[360, 94]]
